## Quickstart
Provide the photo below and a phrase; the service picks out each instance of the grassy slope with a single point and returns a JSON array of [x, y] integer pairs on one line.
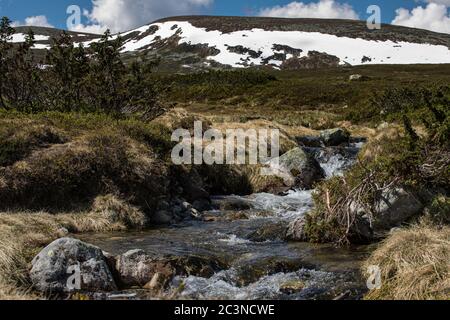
[[294, 95]]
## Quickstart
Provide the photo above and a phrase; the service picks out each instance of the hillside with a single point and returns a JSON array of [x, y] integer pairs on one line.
[[200, 42], [44, 36]]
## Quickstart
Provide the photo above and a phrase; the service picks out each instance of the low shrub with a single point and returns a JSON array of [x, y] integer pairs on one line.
[[403, 160]]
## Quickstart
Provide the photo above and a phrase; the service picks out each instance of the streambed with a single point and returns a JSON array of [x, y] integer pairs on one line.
[[258, 267]]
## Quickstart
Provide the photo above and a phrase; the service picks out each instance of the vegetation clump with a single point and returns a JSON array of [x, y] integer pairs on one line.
[[70, 78], [414, 264], [418, 163]]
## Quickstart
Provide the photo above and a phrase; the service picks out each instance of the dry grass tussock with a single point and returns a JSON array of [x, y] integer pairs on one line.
[[65, 176], [415, 264], [24, 234]]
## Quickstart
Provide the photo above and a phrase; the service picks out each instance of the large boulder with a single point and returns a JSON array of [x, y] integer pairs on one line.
[[297, 168], [68, 265], [334, 137], [395, 206]]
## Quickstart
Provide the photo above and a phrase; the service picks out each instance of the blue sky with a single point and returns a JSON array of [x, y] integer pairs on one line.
[[114, 15]]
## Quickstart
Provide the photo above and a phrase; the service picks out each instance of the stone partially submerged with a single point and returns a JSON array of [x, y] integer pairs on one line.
[[136, 268], [297, 168], [334, 137]]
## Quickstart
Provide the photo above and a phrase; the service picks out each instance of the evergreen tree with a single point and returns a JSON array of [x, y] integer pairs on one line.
[[75, 78], [23, 79], [142, 90], [68, 67], [107, 75], [6, 32]]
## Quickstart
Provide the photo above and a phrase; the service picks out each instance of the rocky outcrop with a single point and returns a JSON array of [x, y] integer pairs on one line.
[[287, 49], [314, 60], [68, 265], [297, 168], [242, 50]]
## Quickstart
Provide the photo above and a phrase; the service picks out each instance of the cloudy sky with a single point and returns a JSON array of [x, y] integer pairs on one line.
[[122, 15]]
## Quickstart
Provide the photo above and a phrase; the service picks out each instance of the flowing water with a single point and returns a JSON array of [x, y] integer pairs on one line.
[[258, 268]]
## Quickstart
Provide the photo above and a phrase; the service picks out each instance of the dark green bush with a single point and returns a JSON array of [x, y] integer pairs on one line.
[[93, 79]]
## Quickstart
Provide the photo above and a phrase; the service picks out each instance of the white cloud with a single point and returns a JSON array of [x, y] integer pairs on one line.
[[93, 28], [444, 2], [122, 15], [35, 21], [434, 17], [328, 9]]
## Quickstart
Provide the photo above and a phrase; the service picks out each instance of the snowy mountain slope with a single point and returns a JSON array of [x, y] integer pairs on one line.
[[263, 47], [43, 37], [200, 42]]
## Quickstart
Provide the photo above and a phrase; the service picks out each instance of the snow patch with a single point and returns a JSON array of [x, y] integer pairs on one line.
[[20, 37]]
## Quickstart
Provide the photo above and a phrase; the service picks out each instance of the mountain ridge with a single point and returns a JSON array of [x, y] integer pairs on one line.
[[195, 43], [233, 23]]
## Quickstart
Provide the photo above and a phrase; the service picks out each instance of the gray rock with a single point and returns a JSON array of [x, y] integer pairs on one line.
[[57, 264], [232, 203], [298, 169], [202, 205], [296, 230], [178, 210], [186, 205], [162, 217], [136, 268], [361, 232], [355, 77], [310, 141], [194, 213], [334, 137], [394, 207], [270, 232]]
